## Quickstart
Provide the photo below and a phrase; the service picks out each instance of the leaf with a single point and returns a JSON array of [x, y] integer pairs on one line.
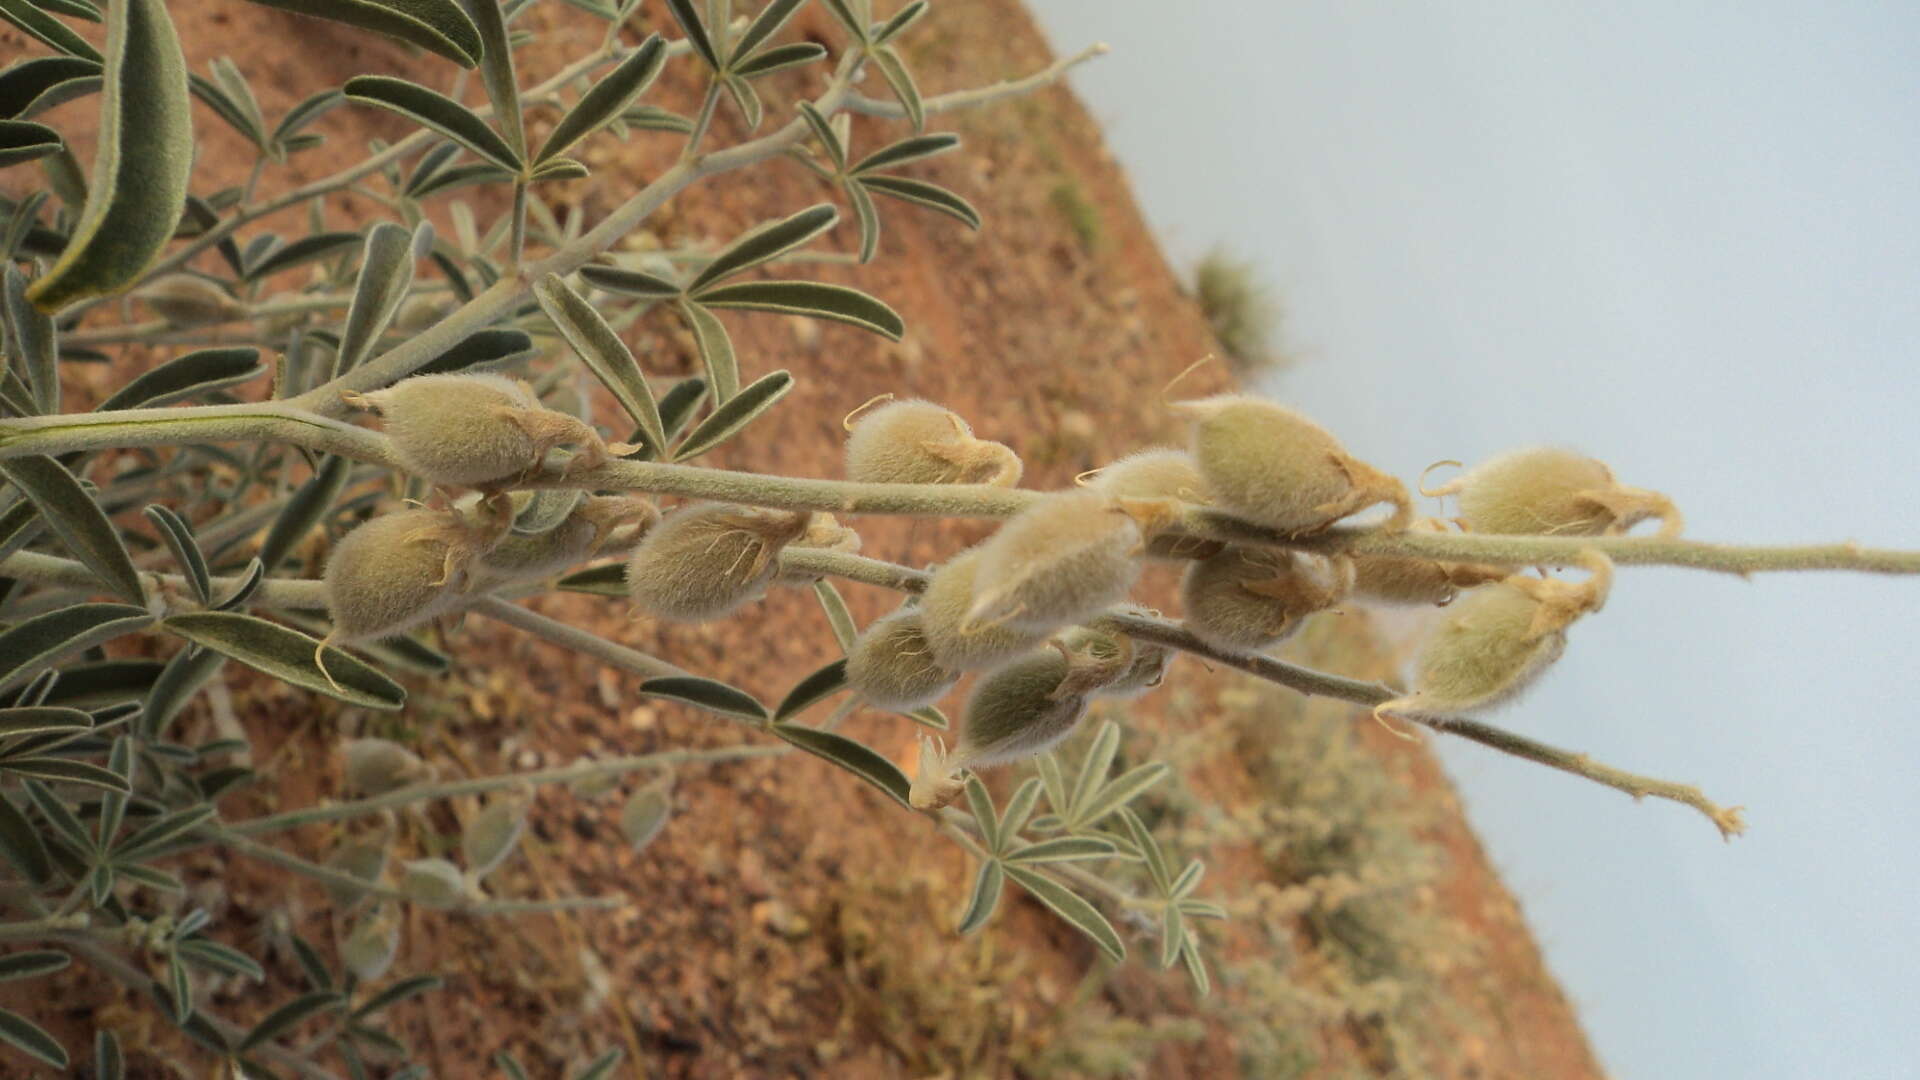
[[61, 770], [301, 252], [980, 802], [438, 26], [928, 716], [1020, 806], [697, 38], [735, 413], [289, 1016], [199, 372], [838, 617], [604, 354], [484, 350], [386, 273], [250, 578], [607, 98], [397, 993], [912, 148], [496, 72], [305, 509], [27, 1037], [780, 58], [1071, 907], [20, 843], [25, 965], [1121, 791], [769, 241], [855, 26], [894, 70], [1197, 969], [31, 343], [1093, 769], [921, 193], [141, 168], [645, 814], [436, 111], [108, 1062], [678, 405], [41, 720], [47, 30], [31, 644], [76, 519], [706, 694], [823, 131], [746, 99], [76, 9], [160, 833], [237, 91], [24, 140], [215, 97], [852, 756], [306, 112], [178, 536], [1188, 880], [1063, 849], [601, 1067], [986, 897], [1149, 850], [23, 231], [510, 1065], [653, 118], [814, 299], [815, 688], [1056, 787], [629, 282], [1173, 937], [288, 655], [214, 956], [1201, 909], [765, 25], [608, 580], [902, 19], [716, 350], [869, 220]]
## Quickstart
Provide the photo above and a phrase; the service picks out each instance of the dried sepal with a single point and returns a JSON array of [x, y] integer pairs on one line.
[[1496, 640], [1390, 579], [1063, 559], [1271, 465], [957, 643], [476, 430], [918, 442], [709, 559], [891, 666], [1146, 662], [1251, 598], [1549, 490], [824, 533]]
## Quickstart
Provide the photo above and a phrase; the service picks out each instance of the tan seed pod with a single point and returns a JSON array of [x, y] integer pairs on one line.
[[1021, 710], [918, 442], [1251, 598], [597, 524], [491, 836], [188, 300], [1146, 666], [824, 533], [1067, 557], [1497, 640], [1414, 582], [1160, 473], [1545, 489], [960, 645], [377, 766], [432, 881], [369, 948], [709, 559], [1271, 465], [476, 430], [891, 666]]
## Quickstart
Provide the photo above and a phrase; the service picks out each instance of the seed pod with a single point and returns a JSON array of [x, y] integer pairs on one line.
[[824, 533], [369, 949], [918, 442], [1273, 466], [709, 559], [1497, 640], [432, 881], [493, 833], [188, 300], [1251, 598], [1146, 667], [476, 430], [957, 644], [1413, 582], [377, 766], [1021, 710], [599, 522], [1546, 489], [365, 859], [1161, 473], [646, 814], [891, 666], [1063, 559]]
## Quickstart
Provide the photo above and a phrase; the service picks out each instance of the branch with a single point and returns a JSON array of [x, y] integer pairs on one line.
[[961, 99]]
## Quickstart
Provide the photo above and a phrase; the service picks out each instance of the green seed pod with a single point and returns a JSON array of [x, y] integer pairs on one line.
[[476, 430], [1251, 598], [188, 300], [646, 814], [918, 442], [493, 833], [891, 666], [709, 559], [1497, 640], [400, 570], [1021, 710], [1063, 559], [596, 524], [957, 644], [1146, 666], [1414, 582], [432, 881], [1273, 466], [824, 533], [364, 859], [377, 766], [1545, 489], [368, 950]]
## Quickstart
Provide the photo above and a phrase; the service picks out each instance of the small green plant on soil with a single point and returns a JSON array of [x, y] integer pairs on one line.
[[1242, 309], [396, 397]]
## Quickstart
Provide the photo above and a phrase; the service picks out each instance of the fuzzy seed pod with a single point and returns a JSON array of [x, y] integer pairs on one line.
[[188, 300], [1063, 559], [918, 442], [1161, 473], [957, 644], [369, 949], [476, 430], [493, 833], [432, 881], [1251, 598], [1021, 710], [363, 859], [597, 523], [1497, 640], [1545, 489], [710, 559], [824, 533], [646, 813], [1273, 466], [1416, 582], [891, 666], [377, 766], [1147, 663]]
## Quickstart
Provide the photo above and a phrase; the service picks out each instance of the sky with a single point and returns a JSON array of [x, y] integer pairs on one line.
[[1684, 238]]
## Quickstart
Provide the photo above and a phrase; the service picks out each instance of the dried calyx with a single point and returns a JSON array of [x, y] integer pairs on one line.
[[1546, 489], [918, 442], [1498, 639], [1391, 579], [1021, 710], [1067, 557], [709, 559], [1273, 466], [1250, 598], [478, 430], [1162, 473], [824, 533], [1146, 670], [891, 665], [958, 644]]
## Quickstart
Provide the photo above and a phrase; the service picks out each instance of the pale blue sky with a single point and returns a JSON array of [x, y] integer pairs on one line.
[[1685, 238]]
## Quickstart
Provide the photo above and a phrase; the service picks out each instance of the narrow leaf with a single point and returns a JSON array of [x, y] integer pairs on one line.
[[288, 655], [854, 24], [601, 1067], [76, 519], [438, 26], [436, 111], [199, 372], [852, 756], [215, 97], [306, 112], [1070, 906], [47, 30], [928, 716], [289, 1016], [628, 282], [815, 688], [472, 173], [746, 99], [32, 644], [696, 32], [304, 510], [489, 349], [1020, 807], [768, 241], [1122, 790], [735, 414], [780, 58], [20, 843], [869, 219], [108, 1062], [716, 350], [178, 536], [912, 148], [386, 273], [31, 87], [653, 118], [24, 140], [607, 98], [838, 617], [706, 694], [496, 72], [27, 1037], [42, 720], [1094, 768], [25, 965], [1063, 849], [765, 25], [75, 9], [222, 958], [604, 354], [921, 193], [406, 988], [31, 342], [814, 299], [836, 151], [985, 817], [249, 582], [985, 899], [59, 770], [141, 168], [902, 19], [679, 404], [1149, 850], [305, 250], [894, 70], [608, 580], [162, 832], [1188, 880]]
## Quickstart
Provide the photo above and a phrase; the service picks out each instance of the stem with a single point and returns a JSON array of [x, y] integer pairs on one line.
[[518, 245], [573, 638], [961, 99], [33, 928]]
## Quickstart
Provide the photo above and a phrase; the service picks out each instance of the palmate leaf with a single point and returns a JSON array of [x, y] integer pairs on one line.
[[814, 299], [76, 519], [855, 757], [707, 694], [31, 87], [608, 98], [24, 140], [140, 170], [434, 110], [438, 26], [289, 656], [604, 354], [1072, 907], [735, 413], [199, 372]]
